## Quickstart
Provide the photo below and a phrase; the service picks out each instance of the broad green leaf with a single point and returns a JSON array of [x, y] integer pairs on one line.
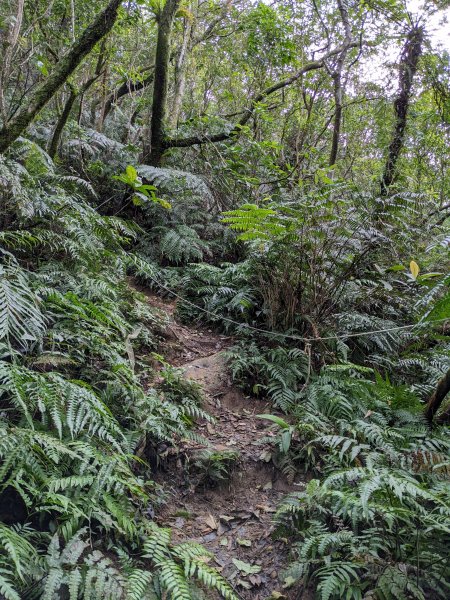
[[281, 422]]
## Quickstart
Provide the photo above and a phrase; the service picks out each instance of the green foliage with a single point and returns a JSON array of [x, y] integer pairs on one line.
[[182, 244], [142, 191], [376, 525], [225, 291], [181, 565], [21, 321], [276, 372], [73, 406], [212, 467]]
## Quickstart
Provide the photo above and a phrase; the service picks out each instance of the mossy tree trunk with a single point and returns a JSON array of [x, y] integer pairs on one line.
[[154, 150], [338, 85], [63, 69]]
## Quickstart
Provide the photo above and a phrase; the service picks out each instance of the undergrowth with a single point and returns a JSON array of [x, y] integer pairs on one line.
[[78, 410]]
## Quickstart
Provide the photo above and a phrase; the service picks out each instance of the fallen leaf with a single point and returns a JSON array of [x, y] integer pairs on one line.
[[247, 543], [288, 582], [224, 542], [244, 584], [268, 486], [210, 521], [226, 518], [266, 456], [246, 568], [266, 508]]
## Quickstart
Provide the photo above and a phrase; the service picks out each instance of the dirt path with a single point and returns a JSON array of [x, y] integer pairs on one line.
[[234, 519]]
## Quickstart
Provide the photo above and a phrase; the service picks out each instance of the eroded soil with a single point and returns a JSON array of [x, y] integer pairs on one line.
[[234, 519]]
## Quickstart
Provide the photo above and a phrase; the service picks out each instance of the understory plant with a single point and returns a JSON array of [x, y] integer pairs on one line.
[[375, 525], [77, 413]]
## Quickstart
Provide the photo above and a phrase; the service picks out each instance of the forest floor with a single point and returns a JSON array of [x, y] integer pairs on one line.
[[233, 520]]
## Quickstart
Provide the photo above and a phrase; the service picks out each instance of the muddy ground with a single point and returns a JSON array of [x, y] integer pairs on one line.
[[234, 520]]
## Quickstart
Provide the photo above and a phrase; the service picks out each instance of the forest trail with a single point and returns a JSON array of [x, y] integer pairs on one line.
[[233, 519]]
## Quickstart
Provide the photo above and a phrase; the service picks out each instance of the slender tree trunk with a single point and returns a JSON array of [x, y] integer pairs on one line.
[[337, 84], [101, 118], [439, 395], [180, 74], [338, 97], [62, 70], [54, 142], [408, 67], [153, 152]]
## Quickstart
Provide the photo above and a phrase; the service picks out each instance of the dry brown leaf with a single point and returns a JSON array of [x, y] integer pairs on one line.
[[210, 521]]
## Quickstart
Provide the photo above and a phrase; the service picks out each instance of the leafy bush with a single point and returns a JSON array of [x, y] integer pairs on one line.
[[276, 372], [376, 525], [75, 417]]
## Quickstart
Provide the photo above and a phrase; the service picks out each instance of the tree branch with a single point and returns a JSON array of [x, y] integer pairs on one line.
[[102, 24], [248, 112], [128, 87]]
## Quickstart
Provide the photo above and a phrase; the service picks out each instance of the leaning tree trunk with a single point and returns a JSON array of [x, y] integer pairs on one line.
[[61, 123], [65, 114], [408, 67], [153, 152], [63, 69], [437, 398]]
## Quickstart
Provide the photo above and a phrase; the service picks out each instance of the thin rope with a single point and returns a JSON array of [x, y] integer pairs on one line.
[[294, 337]]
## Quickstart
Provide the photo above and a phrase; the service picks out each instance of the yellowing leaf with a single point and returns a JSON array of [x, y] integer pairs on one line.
[[211, 522], [414, 268]]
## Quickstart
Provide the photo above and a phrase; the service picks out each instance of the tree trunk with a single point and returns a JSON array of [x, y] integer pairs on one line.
[[62, 70], [154, 150], [435, 401], [180, 74], [338, 87], [8, 47], [54, 142], [408, 67]]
